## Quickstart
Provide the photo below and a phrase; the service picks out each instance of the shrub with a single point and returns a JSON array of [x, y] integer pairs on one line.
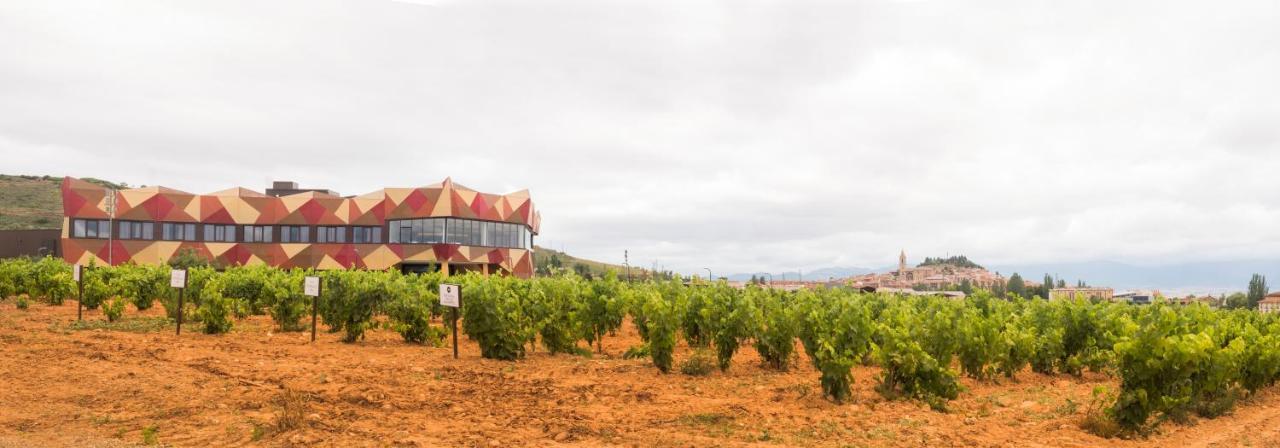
[[637, 352], [836, 334], [96, 289], [285, 302], [410, 316], [493, 315], [664, 322], [776, 336], [215, 312], [699, 363], [22, 302], [113, 308], [554, 310], [602, 310], [731, 318]]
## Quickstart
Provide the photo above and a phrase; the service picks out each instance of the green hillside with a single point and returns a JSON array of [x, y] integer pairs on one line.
[[34, 202], [547, 260]]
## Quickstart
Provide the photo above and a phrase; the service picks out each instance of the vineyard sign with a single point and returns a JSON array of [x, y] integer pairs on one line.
[[450, 295]]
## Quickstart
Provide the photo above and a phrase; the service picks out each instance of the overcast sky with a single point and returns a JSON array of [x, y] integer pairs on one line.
[[733, 135]]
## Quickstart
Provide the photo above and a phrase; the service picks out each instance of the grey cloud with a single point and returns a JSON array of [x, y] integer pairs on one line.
[[741, 136]]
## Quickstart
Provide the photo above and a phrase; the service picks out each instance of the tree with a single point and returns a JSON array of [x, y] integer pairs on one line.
[[1062, 283], [1257, 289], [1046, 286], [1016, 286]]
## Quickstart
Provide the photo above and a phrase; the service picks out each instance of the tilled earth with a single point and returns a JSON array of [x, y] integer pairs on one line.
[[135, 382]]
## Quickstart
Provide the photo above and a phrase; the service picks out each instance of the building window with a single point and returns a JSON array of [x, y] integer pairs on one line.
[[468, 232], [178, 232], [136, 230], [90, 228], [366, 235], [331, 234], [257, 234], [220, 233], [295, 234]]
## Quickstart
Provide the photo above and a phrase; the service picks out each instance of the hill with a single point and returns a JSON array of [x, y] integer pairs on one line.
[[544, 260], [34, 202]]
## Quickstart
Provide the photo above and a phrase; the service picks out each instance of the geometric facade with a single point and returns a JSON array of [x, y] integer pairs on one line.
[[444, 226]]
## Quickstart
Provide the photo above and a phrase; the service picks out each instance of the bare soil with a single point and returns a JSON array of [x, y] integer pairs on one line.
[[61, 386]]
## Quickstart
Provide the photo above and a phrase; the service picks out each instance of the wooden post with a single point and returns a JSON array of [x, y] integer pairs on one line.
[[79, 275], [180, 310]]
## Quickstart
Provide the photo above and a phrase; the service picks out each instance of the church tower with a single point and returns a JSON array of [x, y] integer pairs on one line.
[[902, 262]]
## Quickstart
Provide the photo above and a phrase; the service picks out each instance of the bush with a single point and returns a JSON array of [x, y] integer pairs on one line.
[[285, 302], [554, 310], [410, 316], [215, 312], [602, 310], [22, 302], [637, 352], [836, 334], [699, 363], [664, 322], [730, 318], [776, 336], [113, 308], [493, 315], [96, 289]]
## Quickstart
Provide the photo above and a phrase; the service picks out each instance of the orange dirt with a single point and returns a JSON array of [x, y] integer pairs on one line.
[[103, 387]]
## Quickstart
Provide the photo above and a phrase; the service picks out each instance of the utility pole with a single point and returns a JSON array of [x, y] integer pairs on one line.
[[111, 226], [709, 276], [626, 261]]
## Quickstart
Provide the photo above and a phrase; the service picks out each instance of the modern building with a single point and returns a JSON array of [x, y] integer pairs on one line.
[[1270, 303], [446, 227], [1088, 293]]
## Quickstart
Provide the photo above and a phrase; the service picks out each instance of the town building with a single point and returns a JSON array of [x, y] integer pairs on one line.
[[445, 226], [1088, 293], [1270, 303], [933, 277]]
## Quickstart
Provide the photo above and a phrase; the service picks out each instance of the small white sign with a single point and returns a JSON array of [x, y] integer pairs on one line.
[[178, 278], [450, 295], [75, 272], [311, 286]]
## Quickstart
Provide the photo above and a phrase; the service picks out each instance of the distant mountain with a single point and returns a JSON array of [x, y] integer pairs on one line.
[[816, 274], [1182, 278]]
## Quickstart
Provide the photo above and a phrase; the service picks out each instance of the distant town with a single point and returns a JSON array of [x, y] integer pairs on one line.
[[957, 276]]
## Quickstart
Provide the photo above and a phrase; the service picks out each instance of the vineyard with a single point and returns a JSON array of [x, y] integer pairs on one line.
[[1171, 363]]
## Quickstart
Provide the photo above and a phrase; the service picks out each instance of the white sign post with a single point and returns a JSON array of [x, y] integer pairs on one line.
[[178, 279], [311, 287], [451, 296]]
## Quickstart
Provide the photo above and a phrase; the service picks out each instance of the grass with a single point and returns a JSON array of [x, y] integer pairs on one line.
[[290, 409], [713, 422], [150, 435], [127, 324]]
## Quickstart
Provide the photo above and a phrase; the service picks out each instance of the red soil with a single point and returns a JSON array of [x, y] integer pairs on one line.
[[66, 387]]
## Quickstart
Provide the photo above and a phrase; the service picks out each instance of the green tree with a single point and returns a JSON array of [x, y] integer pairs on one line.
[[1016, 286], [1046, 286], [1257, 290]]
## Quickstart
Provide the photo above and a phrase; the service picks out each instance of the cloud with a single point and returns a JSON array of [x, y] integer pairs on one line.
[[737, 136]]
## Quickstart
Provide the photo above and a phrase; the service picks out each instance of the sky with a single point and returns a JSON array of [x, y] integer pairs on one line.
[[737, 136]]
